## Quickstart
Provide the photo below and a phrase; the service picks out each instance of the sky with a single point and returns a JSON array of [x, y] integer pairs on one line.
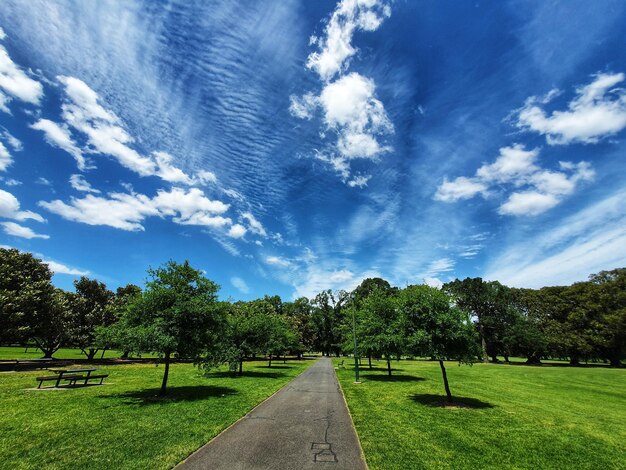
[[288, 147]]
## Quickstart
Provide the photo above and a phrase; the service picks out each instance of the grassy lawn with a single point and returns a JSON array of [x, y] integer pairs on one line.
[[12, 353], [521, 417], [124, 425]]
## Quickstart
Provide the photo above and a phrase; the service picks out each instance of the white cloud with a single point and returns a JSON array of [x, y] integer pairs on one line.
[[433, 282], [592, 240], [4, 102], [336, 45], [459, 188], [60, 136], [16, 83], [597, 111], [127, 211], [440, 266], [536, 190], [349, 105], [14, 142], [277, 261], [12, 182], [60, 268], [79, 183], [316, 279], [240, 285], [5, 158], [17, 230], [10, 208], [237, 231], [253, 224]]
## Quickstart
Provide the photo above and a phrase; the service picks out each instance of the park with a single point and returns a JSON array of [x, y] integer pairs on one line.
[[472, 375]]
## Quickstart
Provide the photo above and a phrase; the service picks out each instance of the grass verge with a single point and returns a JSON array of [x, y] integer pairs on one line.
[[509, 416], [124, 425]]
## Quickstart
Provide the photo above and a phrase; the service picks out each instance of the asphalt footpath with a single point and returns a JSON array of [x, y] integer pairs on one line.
[[305, 425]]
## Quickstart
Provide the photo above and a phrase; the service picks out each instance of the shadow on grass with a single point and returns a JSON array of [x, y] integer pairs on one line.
[[281, 366], [439, 401], [392, 378], [150, 396], [246, 373]]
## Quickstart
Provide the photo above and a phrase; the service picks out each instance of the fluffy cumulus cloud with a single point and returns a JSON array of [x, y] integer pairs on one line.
[[534, 189], [126, 211], [350, 109], [15, 83], [336, 44], [597, 111], [17, 230], [10, 208]]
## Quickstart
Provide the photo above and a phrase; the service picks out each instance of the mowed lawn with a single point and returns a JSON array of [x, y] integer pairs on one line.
[[521, 416], [124, 425]]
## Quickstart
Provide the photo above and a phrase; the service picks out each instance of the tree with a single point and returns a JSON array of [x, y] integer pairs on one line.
[[300, 315], [490, 305], [328, 318], [49, 327], [26, 294], [435, 328], [379, 327], [245, 335], [177, 314], [92, 307]]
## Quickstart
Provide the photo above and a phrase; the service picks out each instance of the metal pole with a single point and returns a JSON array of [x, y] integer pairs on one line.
[[356, 356]]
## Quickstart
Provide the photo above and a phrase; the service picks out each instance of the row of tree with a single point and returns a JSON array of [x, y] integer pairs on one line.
[[178, 315]]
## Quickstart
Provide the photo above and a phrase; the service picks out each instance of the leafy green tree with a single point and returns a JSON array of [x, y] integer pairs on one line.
[[611, 296], [49, 327], [26, 294], [490, 304], [300, 315], [328, 319], [177, 315], [246, 334], [92, 307], [436, 328], [380, 327]]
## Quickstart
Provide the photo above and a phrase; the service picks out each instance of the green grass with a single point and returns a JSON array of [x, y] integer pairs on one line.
[[124, 425], [12, 353], [521, 417]]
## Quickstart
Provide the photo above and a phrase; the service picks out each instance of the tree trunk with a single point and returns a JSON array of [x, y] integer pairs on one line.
[[369, 358], [506, 358], [241, 367], [270, 360], [165, 374], [90, 353], [573, 361], [124, 355], [388, 366], [494, 359], [615, 362], [445, 381], [103, 351], [483, 344], [533, 359]]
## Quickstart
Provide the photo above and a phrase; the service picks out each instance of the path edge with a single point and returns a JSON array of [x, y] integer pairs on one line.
[[247, 413], [358, 439]]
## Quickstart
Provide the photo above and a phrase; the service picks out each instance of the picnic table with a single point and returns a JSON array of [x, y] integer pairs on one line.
[[72, 376]]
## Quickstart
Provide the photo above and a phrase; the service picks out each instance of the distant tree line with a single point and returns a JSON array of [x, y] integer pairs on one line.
[[178, 315]]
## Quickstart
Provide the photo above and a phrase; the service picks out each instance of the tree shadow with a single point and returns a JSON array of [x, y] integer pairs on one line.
[[392, 378], [439, 401], [150, 396], [281, 366], [246, 373]]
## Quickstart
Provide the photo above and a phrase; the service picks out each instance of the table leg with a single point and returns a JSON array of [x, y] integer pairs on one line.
[[59, 379], [87, 378]]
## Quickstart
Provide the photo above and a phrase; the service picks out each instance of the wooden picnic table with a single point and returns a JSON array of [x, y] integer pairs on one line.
[[72, 375]]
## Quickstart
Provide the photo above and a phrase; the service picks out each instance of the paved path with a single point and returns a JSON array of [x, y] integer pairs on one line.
[[304, 426]]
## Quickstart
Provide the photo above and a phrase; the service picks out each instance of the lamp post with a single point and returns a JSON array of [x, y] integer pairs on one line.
[[356, 357]]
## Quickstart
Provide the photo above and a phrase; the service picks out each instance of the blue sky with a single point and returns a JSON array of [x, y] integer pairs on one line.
[[286, 147]]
